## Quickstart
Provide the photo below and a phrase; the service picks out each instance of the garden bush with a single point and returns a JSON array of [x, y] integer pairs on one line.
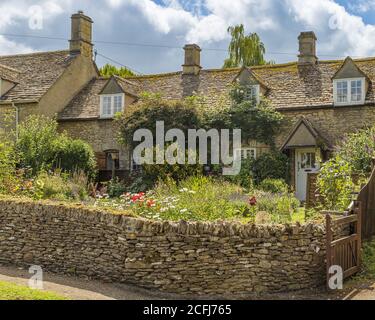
[[358, 149], [274, 186], [335, 184], [245, 176], [75, 155], [7, 167], [273, 165], [41, 148]]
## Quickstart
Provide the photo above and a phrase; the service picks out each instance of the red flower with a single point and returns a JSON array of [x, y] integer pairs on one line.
[[252, 201]]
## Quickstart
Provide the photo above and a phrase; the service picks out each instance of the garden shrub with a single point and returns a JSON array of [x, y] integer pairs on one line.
[[115, 188], [358, 149], [75, 155], [335, 184], [8, 180], [41, 148], [274, 185], [273, 165], [245, 176], [36, 144]]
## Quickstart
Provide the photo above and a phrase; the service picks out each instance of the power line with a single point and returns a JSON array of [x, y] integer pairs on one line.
[[135, 44], [119, 63]]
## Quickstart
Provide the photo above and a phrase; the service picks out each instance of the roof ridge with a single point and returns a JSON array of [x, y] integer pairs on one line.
[[34, 53]]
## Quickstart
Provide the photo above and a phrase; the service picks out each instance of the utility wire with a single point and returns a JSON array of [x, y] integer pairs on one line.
[[119, 63], [151, 45]]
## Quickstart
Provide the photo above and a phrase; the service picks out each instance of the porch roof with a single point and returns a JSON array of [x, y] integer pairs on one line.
[[304, 134]]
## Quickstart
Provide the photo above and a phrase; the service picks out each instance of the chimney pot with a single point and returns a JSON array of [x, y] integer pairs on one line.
[[81, 37], [192, 63], [307, 48]]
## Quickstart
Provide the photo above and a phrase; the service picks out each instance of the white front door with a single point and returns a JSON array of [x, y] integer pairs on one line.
[[307, 160]]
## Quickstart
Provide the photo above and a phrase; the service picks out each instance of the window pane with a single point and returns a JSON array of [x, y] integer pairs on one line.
[[356, 90], [107, 106], [117, 104], [342, 91], [251, 93]]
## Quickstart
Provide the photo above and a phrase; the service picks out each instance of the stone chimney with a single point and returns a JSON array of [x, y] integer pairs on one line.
[[81, 39], [192, 63], [307, 48]]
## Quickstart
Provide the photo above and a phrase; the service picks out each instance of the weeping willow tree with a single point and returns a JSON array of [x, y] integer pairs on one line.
[[244, 50]]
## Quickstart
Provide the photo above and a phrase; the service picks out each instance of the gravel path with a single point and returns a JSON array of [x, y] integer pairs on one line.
[[80, 289]]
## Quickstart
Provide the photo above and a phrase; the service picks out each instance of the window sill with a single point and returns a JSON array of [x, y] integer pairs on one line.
[[349, 103]]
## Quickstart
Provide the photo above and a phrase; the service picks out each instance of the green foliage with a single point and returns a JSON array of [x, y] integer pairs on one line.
[[116, 188], [7, 167], [273, 165], [245, 176], [281, 207], [109, 70], [368, 259], [244, 50], [75, 155], [198, 198], [59, 186], [10, 291], [41, 148], [152, 108], [274, 186], [258, 121], [36, 144], [358, 149], [335, 184]]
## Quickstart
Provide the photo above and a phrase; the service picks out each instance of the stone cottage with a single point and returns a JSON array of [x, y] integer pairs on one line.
[[322, 100]]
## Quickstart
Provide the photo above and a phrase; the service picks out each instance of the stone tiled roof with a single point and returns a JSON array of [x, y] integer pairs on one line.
[[37, 72], [86, 104], [289, 85], [9, 74]]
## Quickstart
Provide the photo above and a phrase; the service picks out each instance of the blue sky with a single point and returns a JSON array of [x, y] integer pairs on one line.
[[343, 28]]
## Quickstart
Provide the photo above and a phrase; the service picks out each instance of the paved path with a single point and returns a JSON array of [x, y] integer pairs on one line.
[[79, 289]]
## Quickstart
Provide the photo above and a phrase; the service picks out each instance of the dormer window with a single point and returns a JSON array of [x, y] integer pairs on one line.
[[349, 91], [110, 104]]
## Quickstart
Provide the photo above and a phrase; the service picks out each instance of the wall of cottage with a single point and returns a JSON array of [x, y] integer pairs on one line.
[[100, 134], [193, 259]]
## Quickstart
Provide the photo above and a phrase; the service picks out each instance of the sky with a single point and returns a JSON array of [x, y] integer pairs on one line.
[[153, 32]]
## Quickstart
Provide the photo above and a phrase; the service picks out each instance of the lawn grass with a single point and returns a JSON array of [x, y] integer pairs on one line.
[[10, 291]]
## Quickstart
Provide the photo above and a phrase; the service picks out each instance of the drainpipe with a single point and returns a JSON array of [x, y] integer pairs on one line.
[[17, 118]]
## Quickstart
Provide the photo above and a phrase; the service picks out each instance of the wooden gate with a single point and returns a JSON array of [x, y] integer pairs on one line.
[[367, 198], [344, 251]]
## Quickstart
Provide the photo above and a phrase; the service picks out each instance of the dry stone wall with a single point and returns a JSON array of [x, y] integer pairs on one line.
[[217, 259]]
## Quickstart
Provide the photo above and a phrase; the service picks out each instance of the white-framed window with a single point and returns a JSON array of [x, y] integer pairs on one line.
[[110, 104], [349, 91], [252, 92], [245, 153]]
